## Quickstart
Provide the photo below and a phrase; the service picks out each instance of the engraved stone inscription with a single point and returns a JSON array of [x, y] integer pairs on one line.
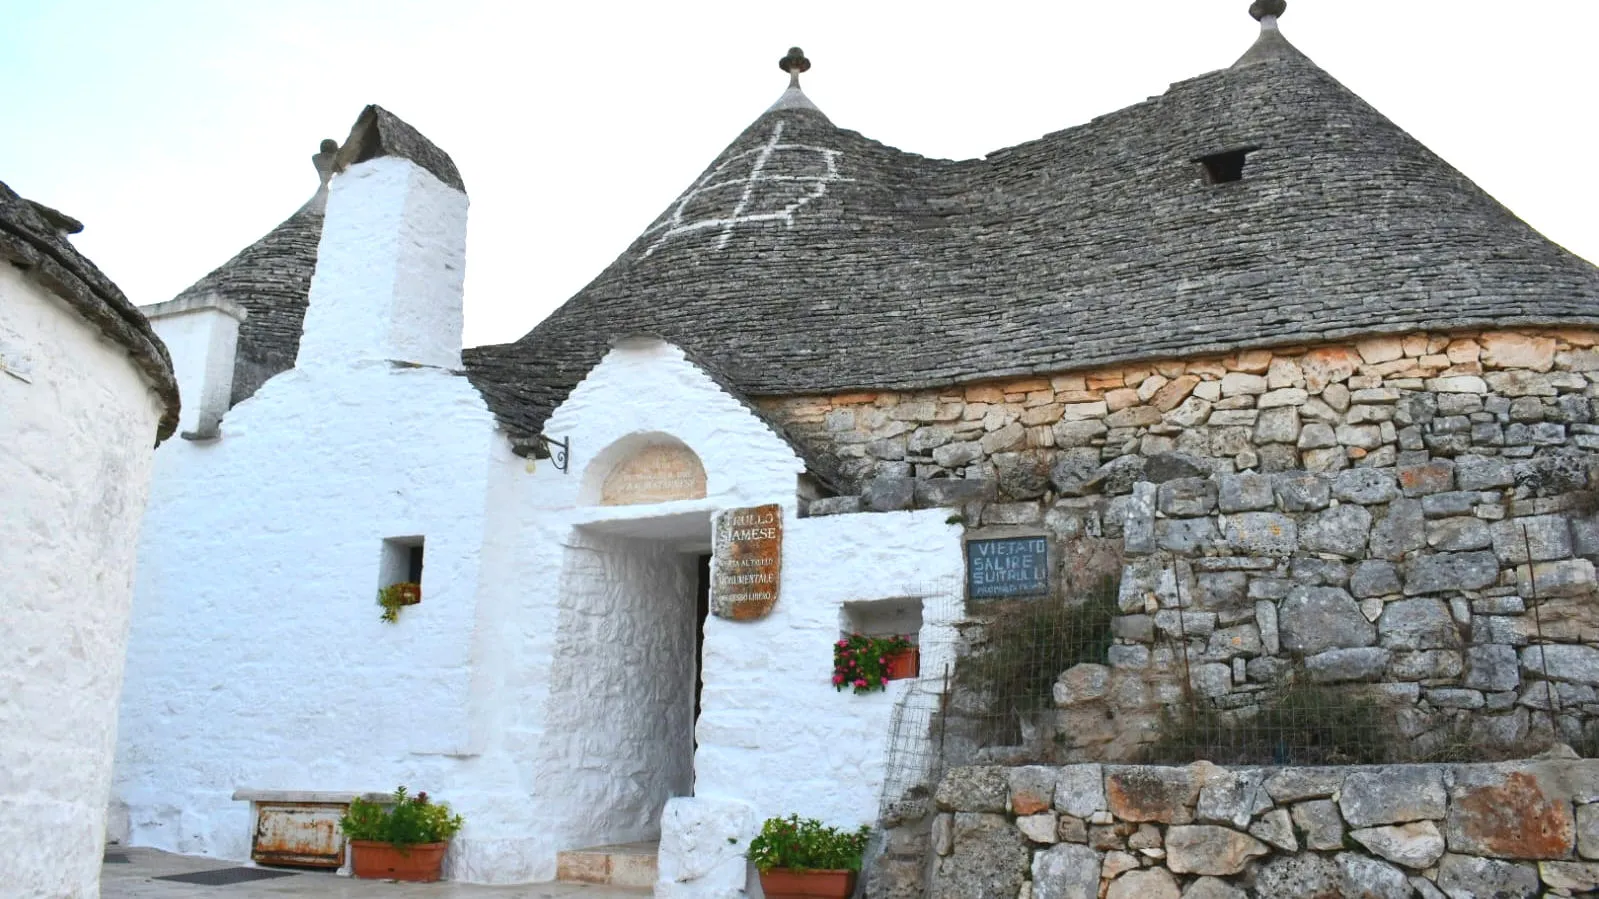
[[658, 473], [748, 563], [1006, 567]]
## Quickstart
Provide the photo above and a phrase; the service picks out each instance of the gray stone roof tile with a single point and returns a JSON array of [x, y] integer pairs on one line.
[[810, 259], [33, 238]]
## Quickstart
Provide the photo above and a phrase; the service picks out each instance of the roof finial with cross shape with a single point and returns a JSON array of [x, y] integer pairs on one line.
[[794, 63]]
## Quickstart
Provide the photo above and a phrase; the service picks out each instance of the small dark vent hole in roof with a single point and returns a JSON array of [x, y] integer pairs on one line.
[[1225, 168]]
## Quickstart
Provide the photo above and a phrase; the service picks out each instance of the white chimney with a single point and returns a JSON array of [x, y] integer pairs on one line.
[[202, 335], [392, 260]]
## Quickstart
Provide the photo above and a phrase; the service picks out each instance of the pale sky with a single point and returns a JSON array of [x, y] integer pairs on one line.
[[180, 131]]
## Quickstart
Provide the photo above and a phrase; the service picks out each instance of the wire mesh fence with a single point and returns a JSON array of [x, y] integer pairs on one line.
[[1092, 674]]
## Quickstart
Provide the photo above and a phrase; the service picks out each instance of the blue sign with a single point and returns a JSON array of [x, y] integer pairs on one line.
[[1005, 567]]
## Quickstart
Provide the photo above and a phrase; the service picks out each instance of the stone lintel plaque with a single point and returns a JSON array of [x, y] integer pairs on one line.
[[748, 562], [658, 473], [1007, 567]]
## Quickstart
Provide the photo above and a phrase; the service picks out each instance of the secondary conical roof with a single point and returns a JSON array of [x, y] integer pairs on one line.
[[271, 279], [1259, 205]]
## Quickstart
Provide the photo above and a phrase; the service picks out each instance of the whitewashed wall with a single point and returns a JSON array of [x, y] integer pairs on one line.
[[257, 658], [77, 422], [772, 732]]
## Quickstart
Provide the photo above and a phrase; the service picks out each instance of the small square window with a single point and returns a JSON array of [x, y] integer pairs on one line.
[[1225, 167], [402, 562]]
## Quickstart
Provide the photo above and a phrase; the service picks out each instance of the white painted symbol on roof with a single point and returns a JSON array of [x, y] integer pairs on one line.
[[762, 196]]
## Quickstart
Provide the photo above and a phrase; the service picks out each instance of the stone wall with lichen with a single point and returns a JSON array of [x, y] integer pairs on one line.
[[1511, 830], [1409, 516]]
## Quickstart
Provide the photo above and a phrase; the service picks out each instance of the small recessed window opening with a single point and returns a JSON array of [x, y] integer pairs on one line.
[[1226, 167], [402, 561]]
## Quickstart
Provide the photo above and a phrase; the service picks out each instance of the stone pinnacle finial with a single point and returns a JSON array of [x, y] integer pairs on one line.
[[794, 63], [323, 160], [1261, 9]]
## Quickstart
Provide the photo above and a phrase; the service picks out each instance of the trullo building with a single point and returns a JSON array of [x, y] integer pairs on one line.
[[86, 393], [839, 387]]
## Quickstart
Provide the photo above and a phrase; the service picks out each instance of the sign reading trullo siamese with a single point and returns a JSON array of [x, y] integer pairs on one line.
[[748, 565]]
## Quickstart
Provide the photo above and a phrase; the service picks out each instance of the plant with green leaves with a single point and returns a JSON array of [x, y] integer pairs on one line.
[[406, 821], [860, 662], [806, 844], [394, 596]]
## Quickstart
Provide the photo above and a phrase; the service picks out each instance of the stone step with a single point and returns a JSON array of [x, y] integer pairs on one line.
[[621, 865]]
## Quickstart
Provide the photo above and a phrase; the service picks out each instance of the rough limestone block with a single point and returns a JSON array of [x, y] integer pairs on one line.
[[1149, 883], [1568, 577], [1234, 797], [1369, 878], [1151, 793], [1482, 473], [1421, 623], [1347, 665], [1316, 619], [1187, 497], [1212, 888], [1393, 795], [1374, 578], [1210, 850], [1548, 537], [1276, 828], [1342, 531], [1247, 492], [1465, 875], [1580, 877], [1416, 845], [1588, 831], [1458, 534], [1401, 531], [1262, 533], [1040, 828], [1492, 667], [974, 789], [1443, 572], [990, 858], [1508, 815], [1306, 875], [1318, 820], [1366, 486], [1064, 871], [1575, 663], [1032, 787], [1080, 790]]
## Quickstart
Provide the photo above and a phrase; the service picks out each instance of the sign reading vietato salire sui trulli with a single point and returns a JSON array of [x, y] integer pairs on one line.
[[748, 563], [1007, 567]]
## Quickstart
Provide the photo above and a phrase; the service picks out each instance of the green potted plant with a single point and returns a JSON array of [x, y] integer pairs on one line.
[[802, 858], [863, 663], [394, 596], [403, 839]]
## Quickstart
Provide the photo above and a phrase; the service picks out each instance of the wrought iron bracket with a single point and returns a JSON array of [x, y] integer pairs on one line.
[[542, 447]]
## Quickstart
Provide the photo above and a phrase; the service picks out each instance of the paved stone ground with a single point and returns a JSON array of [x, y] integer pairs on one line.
[[135, 879]]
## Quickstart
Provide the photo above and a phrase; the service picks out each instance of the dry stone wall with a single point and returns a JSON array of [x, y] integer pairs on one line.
[[1089, 831], [1027, 444], [1410, 513]]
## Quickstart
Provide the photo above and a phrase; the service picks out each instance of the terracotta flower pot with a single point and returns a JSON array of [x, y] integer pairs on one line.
[[782, 883], [904, 664], [384, 861]]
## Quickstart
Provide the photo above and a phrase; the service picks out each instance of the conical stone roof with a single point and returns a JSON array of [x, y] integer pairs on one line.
[[271, 279], [810, 259]]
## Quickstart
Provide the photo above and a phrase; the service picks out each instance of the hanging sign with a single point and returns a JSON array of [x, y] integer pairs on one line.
[[748, 563], [1007, 567]]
